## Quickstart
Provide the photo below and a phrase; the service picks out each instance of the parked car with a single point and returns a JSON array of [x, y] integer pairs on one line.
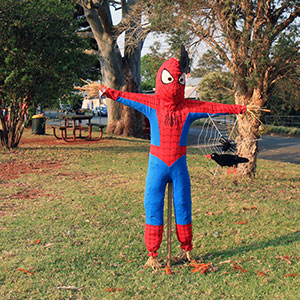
[[100, 111]]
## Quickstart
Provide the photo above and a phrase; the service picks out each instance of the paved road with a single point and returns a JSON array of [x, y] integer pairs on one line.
[[277, 148], [280, 148]]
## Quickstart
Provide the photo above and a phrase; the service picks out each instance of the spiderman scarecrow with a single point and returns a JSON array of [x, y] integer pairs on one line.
[[170, 116]]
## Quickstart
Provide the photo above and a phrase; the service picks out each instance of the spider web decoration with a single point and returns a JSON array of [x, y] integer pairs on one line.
[[218, 135]]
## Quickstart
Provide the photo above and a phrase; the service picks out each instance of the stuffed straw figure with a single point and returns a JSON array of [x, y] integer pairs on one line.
[[170, 116]]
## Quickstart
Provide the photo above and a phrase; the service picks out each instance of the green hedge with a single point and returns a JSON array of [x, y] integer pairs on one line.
[[282, 130]]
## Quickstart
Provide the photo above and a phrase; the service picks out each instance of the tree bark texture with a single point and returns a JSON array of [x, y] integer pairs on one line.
[[247, 145], [120, 73], [248, 128], [11, 129]]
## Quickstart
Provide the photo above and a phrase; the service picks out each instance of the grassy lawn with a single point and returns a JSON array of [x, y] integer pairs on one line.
[[72, 226]]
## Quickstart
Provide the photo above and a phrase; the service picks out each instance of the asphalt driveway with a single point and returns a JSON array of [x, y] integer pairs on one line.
[[279, 148]]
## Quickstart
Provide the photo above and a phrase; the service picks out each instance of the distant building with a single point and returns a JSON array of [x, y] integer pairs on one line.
[[191, 86], [92, 103]]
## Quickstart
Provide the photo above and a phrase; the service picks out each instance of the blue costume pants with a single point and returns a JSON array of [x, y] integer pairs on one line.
[[159, 174]]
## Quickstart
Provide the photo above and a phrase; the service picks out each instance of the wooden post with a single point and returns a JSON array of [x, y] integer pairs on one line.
[[169, 229]]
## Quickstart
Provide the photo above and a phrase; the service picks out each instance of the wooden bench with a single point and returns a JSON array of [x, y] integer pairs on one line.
[[61, 128], [101, 127], [63, 131]]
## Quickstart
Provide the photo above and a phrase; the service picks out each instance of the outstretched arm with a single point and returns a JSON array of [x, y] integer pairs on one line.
[[196, 106], [134, 100], [141, 102]]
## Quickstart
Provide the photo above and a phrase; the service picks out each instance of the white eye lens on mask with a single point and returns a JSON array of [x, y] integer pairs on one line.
[[166, 77], [181, 79]]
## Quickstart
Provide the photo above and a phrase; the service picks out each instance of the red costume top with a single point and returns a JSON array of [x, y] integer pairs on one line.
[[169, 113]]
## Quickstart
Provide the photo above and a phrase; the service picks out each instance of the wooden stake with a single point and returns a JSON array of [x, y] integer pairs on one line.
[[169, 229]]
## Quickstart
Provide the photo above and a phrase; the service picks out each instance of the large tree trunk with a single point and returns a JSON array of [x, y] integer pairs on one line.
[[131, 122], [117, 72], [247, 144], [248, 128]]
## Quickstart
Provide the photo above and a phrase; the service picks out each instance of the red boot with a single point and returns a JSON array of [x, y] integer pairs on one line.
[[153, 238], [185, 236]]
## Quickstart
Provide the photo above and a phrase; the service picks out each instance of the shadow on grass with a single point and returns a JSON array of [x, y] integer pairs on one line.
[[105, 144], [279, 241], [114, 149], [291, 179]]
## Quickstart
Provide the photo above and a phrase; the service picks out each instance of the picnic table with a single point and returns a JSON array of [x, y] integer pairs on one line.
[[75, 123]]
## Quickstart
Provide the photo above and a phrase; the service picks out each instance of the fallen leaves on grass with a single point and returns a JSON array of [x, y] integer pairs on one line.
[[38, 242], [69, 287], [291, 275], [113, 290], [225, 262], [231, 170], [239, 268], [209, 213], [125, 257], [25, 271], [168, 270], [201, 267], [259, 273], [240, 222], [285, 258], [249, 208]]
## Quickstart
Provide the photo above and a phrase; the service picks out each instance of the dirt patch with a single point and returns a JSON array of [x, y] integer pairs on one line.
[[15, 168], [43, 140], [30, 194]]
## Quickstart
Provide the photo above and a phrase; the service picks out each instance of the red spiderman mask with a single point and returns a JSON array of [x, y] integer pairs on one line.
[[170, 83]]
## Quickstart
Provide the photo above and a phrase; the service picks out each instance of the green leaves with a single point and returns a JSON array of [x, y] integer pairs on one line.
[[41, 47], [42, 57], [216, 86]]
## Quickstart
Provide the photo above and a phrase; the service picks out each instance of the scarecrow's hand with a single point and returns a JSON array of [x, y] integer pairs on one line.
[[92, 89], [102, 91], [255, 112]]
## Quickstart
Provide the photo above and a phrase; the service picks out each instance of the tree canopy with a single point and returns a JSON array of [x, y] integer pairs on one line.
[[42, 58], [243, 33]]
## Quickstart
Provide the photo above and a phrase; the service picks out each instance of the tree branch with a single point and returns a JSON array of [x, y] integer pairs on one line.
[[105, 17], [95, 22], [131, 23], [282, 68], [204, 34], [280, 10], [283, 25]]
